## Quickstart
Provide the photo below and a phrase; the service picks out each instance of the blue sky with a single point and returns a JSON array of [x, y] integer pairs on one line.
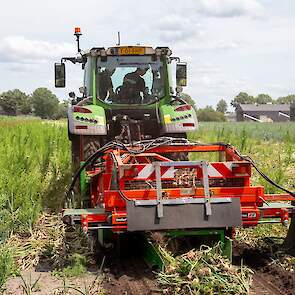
[[230, 45]]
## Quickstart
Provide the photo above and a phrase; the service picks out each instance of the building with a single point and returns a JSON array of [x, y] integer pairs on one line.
[[263, 112], [231, 117]]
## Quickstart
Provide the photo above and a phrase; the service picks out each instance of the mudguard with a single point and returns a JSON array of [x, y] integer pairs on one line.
[[89, 121], [186, 215]]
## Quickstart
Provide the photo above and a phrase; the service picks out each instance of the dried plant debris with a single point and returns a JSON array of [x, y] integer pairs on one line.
[[203, 271], [50, 243]]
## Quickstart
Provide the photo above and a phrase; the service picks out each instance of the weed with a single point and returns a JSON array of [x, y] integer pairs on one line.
[[7, 265], [76, 267], [28, 286]]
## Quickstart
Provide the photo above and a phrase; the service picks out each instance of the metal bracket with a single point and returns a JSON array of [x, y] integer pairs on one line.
[[204, 165], [160, 209], [208, 208]]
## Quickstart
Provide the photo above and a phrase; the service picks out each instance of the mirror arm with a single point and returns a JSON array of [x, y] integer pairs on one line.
[[71, 59], [175, 58]]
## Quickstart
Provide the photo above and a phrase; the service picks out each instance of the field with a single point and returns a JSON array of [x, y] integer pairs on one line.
[[35, 171], [271, 146]]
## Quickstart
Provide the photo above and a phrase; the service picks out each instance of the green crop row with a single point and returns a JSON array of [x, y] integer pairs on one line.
[[270, 145], [34, 170]]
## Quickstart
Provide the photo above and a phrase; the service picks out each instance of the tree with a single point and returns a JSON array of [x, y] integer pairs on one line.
[[286, 99], [62, 110], [263, 99], [221, 106], [188, 99], [45, 103], [208, 114], [15, 101], [242, 98]]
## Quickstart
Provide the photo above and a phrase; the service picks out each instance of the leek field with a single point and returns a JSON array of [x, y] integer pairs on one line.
[[35, 168]]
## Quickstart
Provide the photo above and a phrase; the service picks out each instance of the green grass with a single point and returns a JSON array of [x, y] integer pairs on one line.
[[7, 265]]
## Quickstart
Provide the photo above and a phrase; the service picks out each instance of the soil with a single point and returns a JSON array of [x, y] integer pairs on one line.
[[130, 275], [269, 277], [47, 283], [124, 272]]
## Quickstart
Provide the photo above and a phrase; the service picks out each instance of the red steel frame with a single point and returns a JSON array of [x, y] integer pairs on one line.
[[131, 168]]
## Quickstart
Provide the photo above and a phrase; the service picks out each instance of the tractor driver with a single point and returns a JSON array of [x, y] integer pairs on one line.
[[133, 85]]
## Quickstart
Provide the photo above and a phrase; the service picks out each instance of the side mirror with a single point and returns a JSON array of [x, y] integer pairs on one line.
[[72, 95], [60, 75], [181, 74]]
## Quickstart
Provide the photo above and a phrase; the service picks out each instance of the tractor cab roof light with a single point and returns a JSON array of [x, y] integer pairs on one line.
[[78, 31], [78, 34]]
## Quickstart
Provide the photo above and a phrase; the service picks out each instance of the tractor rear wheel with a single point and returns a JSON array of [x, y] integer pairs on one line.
[[83, 146], [90, 145], [180, 156], [289, 242]]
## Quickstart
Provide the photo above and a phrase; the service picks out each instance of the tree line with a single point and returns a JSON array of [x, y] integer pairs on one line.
[[245, 98], [42, 103], [217, 114]]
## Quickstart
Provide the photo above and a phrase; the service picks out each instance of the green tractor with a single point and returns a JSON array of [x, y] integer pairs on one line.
[[127, 95]]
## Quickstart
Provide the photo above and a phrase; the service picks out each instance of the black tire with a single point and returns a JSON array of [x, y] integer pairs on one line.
[[181, 156], [82, 147], [75, 148], [90, 145]]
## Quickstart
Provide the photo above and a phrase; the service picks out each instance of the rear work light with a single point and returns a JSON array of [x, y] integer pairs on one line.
[[81, 127], [81, 110], [188, 124], [183, 108]]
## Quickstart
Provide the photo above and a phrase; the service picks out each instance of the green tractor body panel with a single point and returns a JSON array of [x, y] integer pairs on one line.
[[178, 118]]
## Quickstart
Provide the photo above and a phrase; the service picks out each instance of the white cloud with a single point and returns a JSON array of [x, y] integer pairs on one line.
[[230, 8], [18, 49], [175, 28]]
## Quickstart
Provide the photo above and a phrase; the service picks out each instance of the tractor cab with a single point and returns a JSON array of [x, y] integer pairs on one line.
[[128, 95]]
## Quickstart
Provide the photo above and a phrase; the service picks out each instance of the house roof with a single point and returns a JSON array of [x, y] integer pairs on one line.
[[265, 107]]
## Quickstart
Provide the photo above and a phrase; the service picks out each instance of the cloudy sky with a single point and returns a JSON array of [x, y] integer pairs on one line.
[[230, 45]]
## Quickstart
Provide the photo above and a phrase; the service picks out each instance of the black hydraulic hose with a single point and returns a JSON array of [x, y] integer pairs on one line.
[[147, 144], [95, 155], [250, 160], [144, 146]]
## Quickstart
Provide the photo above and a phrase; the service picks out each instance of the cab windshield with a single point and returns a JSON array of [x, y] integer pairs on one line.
[[130, 80]]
